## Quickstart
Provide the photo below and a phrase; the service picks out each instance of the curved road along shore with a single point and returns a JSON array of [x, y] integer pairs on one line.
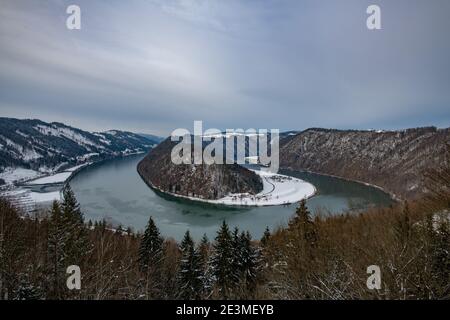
[[278, 190]]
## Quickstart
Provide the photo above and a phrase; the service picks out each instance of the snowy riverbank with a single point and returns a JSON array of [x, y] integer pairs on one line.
[[277, 190], [31, 193], [29, 189], [58, 178]]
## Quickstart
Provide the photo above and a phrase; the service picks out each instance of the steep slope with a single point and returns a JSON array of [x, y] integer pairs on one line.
[[201, 181], [394, 160], [46, 147]]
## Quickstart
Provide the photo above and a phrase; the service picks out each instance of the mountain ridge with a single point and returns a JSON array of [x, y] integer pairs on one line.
[[392, 160], [48, 147]]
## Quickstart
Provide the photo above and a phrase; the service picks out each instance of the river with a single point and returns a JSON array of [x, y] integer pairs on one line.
[[114, 191]]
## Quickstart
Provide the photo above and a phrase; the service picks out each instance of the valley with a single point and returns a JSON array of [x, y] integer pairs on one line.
[[115, 192], [111, 174]]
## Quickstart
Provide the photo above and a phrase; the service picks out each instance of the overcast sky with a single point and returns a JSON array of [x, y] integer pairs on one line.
[[153, 66]]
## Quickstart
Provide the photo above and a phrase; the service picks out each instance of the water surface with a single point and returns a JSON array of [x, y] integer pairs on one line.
[[114, 191]]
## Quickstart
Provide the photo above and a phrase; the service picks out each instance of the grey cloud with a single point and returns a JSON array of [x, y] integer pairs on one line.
[[158, 65]]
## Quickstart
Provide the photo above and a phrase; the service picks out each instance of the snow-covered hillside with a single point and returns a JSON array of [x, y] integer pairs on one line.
[[30, 148], [393, 160]]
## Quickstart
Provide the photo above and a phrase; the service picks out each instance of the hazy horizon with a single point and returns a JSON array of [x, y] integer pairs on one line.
[[223, 129]]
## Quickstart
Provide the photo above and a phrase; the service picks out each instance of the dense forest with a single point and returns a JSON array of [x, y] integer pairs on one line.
[[316, 256]]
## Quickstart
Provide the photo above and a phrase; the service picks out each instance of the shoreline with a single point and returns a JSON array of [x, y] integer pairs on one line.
[[392, 195], [99, 162], [225, 201], [24, 193], [73, 170]]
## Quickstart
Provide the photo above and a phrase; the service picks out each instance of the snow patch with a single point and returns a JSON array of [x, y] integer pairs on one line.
[[53, 179], [87, 156], [21, 134], [14, 175], [23, 196], [24, 153], [66, 133], [278, 190], [45, 196], [30, 154]]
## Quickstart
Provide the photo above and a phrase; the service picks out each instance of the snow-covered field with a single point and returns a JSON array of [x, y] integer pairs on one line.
[[28, 200], [52, 179], [31, 177], [37, 197], [23, 196], [11, 175], [45, 196], [278, 190]]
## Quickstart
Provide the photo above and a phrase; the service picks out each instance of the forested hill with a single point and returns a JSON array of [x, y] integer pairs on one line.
[[202, 181], [37, 145], [394, 160]]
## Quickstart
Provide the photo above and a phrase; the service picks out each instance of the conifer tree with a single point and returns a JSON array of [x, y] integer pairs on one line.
[[57, 255], [150, 259], [77, 245], [302, 244], [26, 290], [304, 225], [190, 273], [249, 266], [264, 255], [151, 247], [440, 257], [203, 250], [402, 227], [12, 246], [237, 252], [222, 261], [265, 238], [70, 206]]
